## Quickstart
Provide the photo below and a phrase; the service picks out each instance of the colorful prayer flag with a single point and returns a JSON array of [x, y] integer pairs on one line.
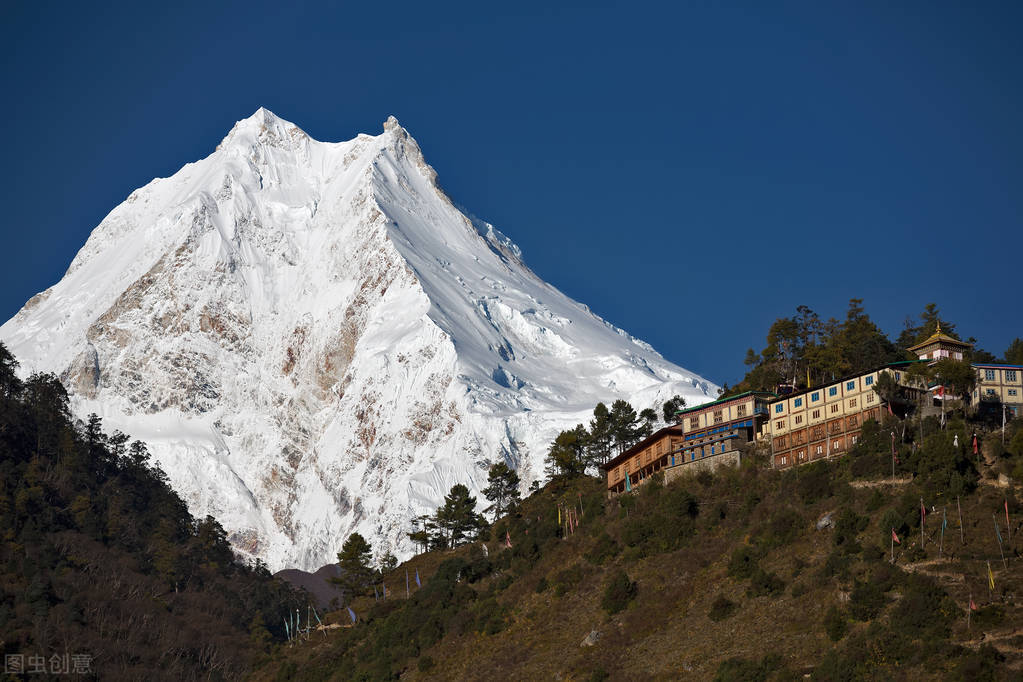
[[351, 614], [895, 537], [973, 604], [559, 515], [507, 539], [418, 584], [990, 576], [974, 443]]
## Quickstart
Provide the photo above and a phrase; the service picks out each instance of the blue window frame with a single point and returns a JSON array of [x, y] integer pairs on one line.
[[869, 380], [779, 408], [850, 386], [833, 390], [815, 396], [798, 402]]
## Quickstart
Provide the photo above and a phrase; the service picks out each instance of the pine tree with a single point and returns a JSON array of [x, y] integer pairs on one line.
[[457, 520], [566, 456], [354, 560], [503, 488], [673, 405]]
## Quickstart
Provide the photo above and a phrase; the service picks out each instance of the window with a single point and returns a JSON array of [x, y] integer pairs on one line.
[[1010, 375], [799, 419], [852, 402], [718, 418], [990, 391], [1012, 391], [802, 455], [852, 439], [816, 414], [897, 376], [852, 422], [780, 424], [798, 402], [815, 396], [712, 449], [740, 411], [694, 422], [834, 408], [784, 461], [820, 449], [779, 407], [989, 375], [870, 397], [833, 391], [850, 386], [869, 381]]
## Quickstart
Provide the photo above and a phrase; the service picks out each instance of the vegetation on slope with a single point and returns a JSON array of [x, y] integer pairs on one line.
[[721, 575], [100, 559]]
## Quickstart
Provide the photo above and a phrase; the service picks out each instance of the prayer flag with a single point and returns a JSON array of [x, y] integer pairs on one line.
[[1007, 517], [351, 614], [990, 576], [418, 584], [507, 539], [974, 443], [973, 604], [895, 537]]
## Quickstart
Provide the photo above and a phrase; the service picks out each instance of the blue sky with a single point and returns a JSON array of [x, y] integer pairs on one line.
[[690, 170]]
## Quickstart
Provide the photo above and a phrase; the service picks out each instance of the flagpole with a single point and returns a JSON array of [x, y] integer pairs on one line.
[[893, 545], [922, 514], [999, 536], [962, 538], [941, 542]]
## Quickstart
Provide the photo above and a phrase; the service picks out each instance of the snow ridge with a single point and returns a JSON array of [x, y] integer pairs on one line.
[[315, 340]]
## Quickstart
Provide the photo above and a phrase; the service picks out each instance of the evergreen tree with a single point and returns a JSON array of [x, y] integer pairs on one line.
[[673, 405], [503, 488], [566, 454], [355, 562], [626, 426], [456, 520], [1014, 353], [598, 441], [10, 385]]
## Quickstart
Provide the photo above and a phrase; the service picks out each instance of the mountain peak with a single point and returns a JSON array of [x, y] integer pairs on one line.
[[392, 123], [265, 127]]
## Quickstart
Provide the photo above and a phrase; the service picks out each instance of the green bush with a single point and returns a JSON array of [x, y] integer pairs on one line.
[[834, 624], [566, 579], [603, 549], [721, 608], [815, 482], [744, 561], [763, 584], [866, 601], [619, 590], [746, 670]]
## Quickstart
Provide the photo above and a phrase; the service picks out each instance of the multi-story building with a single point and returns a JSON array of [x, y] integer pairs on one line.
[[999, 384], [705, 431], [824, 421]]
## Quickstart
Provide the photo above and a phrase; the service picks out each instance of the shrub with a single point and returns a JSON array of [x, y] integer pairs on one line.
[[744, 561], [866, 601], [603, 549], [745, 670], [721, 608], [618, 592], [764, 584], [542, 585], [566, 579], [834, 624], [425, 664], [815, 482]]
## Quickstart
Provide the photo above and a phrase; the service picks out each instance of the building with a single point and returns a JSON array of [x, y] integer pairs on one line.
[[706, 431], [999, 384], [940, 346], [825, 421]]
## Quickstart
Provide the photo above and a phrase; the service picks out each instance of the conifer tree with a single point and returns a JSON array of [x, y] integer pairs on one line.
[[503, 488], [354, 560]]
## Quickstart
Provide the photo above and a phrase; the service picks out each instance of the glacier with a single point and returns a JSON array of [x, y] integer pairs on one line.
[[314, 340]]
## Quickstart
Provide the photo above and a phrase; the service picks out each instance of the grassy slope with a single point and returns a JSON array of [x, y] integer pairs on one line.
[[666, 632]]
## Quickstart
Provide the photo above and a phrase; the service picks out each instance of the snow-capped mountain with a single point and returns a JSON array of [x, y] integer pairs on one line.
[[313, 340]]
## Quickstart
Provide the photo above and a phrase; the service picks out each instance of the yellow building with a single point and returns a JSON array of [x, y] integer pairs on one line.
[[824, 421], [999, 384]]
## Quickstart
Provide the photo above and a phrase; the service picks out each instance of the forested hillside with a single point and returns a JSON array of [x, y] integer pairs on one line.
[[102, 568]]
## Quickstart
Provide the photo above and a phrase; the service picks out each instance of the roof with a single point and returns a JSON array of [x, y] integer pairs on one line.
[[939, 337], [995, 365], [701, 406]]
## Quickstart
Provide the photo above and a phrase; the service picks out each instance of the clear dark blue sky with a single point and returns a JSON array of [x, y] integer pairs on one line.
[[690, 170]]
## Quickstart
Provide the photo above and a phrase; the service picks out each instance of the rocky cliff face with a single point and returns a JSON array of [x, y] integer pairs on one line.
[[313, 340]]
